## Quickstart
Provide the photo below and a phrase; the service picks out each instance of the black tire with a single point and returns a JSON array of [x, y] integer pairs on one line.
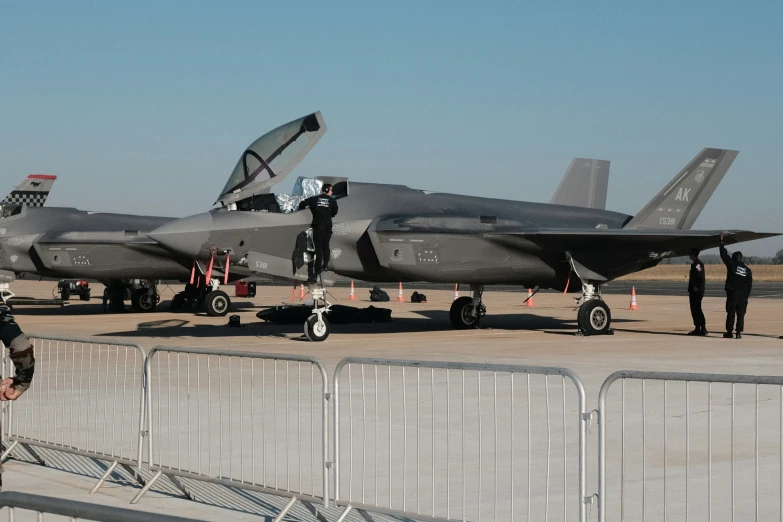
[[594, 317], [143, 301], [314, 331], [217, 303], [461, 316]]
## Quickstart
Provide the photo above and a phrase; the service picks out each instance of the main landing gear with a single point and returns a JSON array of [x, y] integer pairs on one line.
[[594, 316], [466, 312], [142, 293], [316, 328], [209, 297]]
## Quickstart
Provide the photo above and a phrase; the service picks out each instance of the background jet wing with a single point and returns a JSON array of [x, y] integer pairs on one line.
[[585, 184]]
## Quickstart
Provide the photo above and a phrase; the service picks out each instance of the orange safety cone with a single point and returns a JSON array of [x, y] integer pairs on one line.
[[400, 297], [293, 293], [301, 292], [352, 296], [529, 300], [456, 291], [633, 306]]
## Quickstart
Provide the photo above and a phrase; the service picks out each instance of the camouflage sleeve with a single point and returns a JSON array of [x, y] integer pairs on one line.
[[20, 349]]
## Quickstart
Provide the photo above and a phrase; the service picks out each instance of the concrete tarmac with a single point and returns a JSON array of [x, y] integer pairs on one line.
[[654, 337]]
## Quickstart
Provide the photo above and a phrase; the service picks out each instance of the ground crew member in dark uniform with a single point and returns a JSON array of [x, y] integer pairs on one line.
[[739, 280], [21, 354], [696, 286], [324, 208]]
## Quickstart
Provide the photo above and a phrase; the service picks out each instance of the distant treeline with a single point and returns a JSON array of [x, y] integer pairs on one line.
[[714, 259]]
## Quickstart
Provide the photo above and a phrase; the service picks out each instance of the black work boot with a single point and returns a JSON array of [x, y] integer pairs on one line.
[[703, 330], [727, 335], [696, 331], [739, 335]]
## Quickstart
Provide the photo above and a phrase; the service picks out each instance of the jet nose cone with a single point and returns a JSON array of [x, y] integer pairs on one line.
[[186, 236]]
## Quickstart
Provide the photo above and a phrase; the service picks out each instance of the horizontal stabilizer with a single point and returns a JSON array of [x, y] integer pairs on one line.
[[677, 206], [585, 184]]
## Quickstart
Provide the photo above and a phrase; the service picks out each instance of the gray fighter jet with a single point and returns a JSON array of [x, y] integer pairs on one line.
[[112, 248], [391, 233]]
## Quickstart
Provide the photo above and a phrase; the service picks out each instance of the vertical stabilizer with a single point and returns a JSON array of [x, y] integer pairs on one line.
[[32, 191], [584, 185], [678, 205]]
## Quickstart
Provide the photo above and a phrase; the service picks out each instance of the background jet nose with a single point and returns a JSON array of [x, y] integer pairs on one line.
[[186, 236]]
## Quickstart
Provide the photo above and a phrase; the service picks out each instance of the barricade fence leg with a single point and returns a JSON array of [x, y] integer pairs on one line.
[[108, 472]]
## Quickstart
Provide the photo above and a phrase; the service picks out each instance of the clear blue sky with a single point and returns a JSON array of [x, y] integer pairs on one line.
[[145, 106]]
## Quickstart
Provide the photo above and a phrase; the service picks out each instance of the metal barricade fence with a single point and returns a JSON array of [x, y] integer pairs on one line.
[[86, 399], [690, 446], [458, 441], [22, 507], [239, 419]]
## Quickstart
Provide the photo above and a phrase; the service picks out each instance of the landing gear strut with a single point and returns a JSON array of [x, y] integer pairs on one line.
[[466, 312], [594, 316]]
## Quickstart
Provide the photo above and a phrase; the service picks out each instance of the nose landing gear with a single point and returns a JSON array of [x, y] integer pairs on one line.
[[316, 328]]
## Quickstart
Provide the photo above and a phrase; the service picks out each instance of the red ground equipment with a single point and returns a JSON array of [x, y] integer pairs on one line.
[[244, 289]]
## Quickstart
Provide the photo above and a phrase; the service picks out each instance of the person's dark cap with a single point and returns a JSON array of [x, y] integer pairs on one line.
[[326, 188], [694, 252]]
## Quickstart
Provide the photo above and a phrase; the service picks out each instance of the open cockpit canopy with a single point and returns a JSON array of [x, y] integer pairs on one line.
[[271, 158]]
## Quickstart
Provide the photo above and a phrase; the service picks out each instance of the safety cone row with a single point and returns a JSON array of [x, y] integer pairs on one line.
[[633, 306], [456, 291], [529, 300], [352, 296], [301, 292], [400, 296]]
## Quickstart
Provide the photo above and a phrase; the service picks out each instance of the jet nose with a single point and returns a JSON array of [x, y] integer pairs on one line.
[[187, 236]]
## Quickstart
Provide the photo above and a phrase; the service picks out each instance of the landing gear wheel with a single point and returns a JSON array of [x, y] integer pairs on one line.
[[594, 317], [464, 315], [143, 301], [316, 330], [217, 303]]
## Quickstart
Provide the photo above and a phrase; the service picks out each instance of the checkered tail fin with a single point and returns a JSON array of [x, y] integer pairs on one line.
[[32, 191]]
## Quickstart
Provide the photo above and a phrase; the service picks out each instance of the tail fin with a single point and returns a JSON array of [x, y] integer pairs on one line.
[[584, 185], [32, 191], [678, 205]]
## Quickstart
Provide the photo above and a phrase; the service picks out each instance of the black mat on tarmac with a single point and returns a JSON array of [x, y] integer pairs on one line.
[[338, 314]]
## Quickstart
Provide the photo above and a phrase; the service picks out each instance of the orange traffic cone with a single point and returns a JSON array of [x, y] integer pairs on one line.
[[301, 292], [633, 299], [352, 296], [529, 300], [400, 297], [456, 291], [293, 293]]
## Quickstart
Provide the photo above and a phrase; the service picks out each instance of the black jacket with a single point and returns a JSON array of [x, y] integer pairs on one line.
[[324, 208], [697, 278], [739, 277]]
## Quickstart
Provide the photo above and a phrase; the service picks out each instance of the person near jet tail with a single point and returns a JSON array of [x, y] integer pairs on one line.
[[696, 286], [324, 208], [739, 281], [21, 354]]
